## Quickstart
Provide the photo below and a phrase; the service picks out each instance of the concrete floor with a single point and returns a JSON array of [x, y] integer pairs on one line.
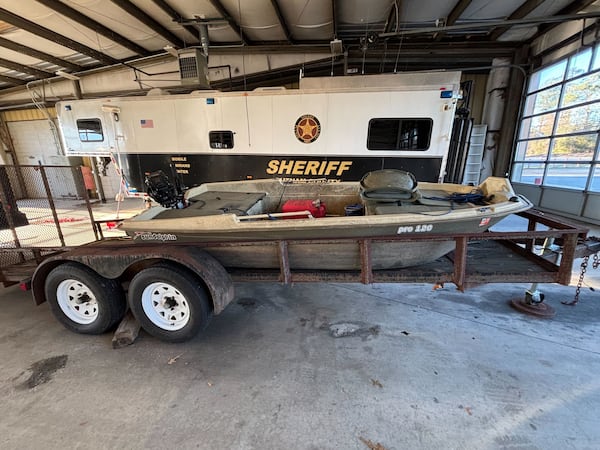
[[420, 369]]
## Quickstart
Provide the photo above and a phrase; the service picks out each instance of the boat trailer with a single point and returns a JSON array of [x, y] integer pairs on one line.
[[543, 253], [478, 258]]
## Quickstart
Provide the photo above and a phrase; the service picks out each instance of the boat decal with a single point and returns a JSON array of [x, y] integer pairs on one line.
[[149, 236], [420, 228], [484, 222], [307, 128]]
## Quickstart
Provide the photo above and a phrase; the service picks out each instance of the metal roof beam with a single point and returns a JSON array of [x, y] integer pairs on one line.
[[423, 46], [138, 14], [518, 13], [84, 20], [393, 19], [436, 52], [45, 33], [25, 69], [454, 15], [282, 21], [168, 9], [556, 19], [258, 48], [20, 48], [232, 23], [13, 81], [457, 11]]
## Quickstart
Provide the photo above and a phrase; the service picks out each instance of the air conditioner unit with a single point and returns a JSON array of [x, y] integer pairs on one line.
[[193, 68]]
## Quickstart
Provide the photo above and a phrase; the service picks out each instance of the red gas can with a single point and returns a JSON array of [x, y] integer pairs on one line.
[[315, 207]]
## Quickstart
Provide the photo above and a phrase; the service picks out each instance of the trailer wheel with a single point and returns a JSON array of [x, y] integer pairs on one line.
[[169, 302], [82, 300]]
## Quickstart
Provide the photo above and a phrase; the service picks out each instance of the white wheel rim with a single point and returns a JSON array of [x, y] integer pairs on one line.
[[165, 306], [77, 301]]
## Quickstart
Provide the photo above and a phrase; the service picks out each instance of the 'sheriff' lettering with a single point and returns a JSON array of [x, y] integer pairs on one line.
[[303, 167]]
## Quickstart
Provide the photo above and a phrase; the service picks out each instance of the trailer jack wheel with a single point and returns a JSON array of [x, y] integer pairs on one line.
[[533, 303]]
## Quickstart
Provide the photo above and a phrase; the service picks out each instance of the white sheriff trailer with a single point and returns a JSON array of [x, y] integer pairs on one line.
[[334, 128]]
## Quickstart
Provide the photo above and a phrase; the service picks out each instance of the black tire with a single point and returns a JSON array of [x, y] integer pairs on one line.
[[82, 300], [169, 302]]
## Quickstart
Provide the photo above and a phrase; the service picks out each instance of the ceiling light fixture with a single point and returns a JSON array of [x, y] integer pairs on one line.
[[171, 51], [336, 47], [68, 76]]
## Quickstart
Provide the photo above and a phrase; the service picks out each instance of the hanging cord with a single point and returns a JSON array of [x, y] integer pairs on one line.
[[285, 185], [40, 103], [242, 38], [364, 49], [398, 53], [382, 65], [332, 64]]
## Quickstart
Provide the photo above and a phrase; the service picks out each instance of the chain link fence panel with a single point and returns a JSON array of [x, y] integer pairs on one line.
[[42, 209]]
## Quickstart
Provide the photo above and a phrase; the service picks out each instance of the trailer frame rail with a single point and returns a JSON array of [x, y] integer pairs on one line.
[[494, 256]]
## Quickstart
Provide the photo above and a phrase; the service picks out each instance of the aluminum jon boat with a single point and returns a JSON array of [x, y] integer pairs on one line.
[[384, 203]]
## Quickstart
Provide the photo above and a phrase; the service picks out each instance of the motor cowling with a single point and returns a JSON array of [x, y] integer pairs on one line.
[[163, 191]]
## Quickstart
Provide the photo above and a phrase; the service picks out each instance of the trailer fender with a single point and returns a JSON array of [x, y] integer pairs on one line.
[[114, 261]]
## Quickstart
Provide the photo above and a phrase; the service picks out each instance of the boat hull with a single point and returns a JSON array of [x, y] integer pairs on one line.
[[247, 213], [331, 256]]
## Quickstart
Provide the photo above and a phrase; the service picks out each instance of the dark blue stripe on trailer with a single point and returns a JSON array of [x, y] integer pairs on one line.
[[194, 169]]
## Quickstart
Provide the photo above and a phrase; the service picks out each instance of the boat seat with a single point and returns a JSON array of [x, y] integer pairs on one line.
[[388, 185], [216, 202], [429, 200]]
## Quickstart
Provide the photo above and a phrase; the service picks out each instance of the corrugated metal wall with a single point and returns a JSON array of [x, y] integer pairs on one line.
[[20, 115]]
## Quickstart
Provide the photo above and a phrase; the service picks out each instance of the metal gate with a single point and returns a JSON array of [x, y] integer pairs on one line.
[[43, 209]]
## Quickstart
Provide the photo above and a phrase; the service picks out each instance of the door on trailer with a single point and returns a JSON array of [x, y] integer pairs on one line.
[[88, 129]]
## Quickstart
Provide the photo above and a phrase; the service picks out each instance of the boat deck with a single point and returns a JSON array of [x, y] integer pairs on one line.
[[215, 202], [211, 203]]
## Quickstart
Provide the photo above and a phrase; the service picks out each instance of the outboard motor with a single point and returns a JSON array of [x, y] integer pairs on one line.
[[162, 191]]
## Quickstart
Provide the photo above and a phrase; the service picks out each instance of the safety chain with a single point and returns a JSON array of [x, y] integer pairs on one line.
[[584, 266]]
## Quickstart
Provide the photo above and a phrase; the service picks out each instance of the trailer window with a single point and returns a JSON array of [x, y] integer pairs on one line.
[[399, 134], [90, 130], [220, 139]]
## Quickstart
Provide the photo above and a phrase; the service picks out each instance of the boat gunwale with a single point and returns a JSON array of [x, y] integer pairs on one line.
[[276, 188], [224, 222]]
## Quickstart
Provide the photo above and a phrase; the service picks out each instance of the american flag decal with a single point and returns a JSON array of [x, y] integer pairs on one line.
[[147, 123]]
